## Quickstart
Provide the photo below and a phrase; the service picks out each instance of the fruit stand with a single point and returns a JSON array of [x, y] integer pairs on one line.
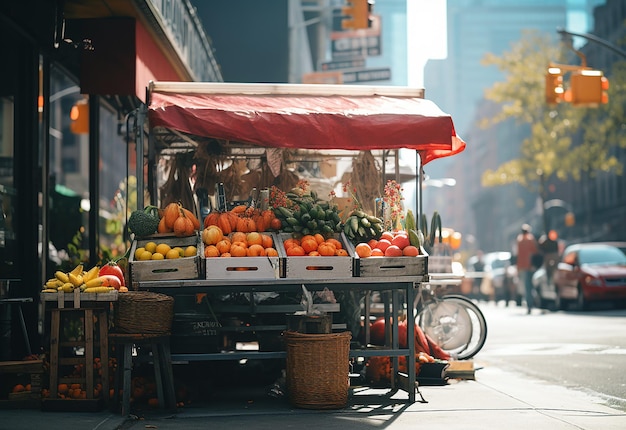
[[264, 125]]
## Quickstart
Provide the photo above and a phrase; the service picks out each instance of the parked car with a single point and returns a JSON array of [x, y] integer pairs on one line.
[[498, 279], [589, 272]]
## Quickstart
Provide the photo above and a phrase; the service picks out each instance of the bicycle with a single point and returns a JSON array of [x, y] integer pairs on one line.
[[453, 321]]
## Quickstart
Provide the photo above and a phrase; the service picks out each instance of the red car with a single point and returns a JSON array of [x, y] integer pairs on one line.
[[590, 272]]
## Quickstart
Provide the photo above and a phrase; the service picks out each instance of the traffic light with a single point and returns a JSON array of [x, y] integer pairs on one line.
[[588, 88], [570, 219], [358, 13], [79, 115], [554, 86]]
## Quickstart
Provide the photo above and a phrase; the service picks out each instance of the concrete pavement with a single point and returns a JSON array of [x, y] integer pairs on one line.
[[498, 398]]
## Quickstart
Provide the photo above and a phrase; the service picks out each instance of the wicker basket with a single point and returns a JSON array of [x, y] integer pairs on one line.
[[317, 369], [144, 312]]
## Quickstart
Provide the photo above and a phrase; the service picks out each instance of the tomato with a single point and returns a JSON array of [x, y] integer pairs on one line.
[[111, 268]]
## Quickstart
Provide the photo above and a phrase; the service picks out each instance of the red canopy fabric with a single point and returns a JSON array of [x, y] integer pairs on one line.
[[309, 121]]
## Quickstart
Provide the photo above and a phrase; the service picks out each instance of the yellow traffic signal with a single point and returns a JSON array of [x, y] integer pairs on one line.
[[79, 114], [358, 13], [588, 87], [570, 219], [554, 86]]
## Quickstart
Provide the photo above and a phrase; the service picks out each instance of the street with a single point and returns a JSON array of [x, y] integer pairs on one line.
[[580, 350]]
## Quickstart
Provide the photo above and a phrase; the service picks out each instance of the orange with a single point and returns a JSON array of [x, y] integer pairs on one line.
[[288, 243], [341, 253], [387, 235], [363, 250], [307, 237], [314, 254], [254, 238], [401, 240], [393, 251], [295, 250], [238, 236], [319, 238], [256, 251], [226, 254], [377, 252], [271, 252], [223, 246], [326, 249], [309, 244], [211, 251], [334, 242], [383, 244], [268, 242], [410, 251], [238, 250], [372, 243]]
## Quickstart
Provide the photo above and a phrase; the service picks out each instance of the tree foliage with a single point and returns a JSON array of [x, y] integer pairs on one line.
[[548, 150]]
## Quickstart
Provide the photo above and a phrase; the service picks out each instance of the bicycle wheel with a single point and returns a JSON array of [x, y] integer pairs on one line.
[[456, 324]]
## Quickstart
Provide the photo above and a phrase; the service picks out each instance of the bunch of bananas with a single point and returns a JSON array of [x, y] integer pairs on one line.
[[67, 282], [361, 227], [307, 214]]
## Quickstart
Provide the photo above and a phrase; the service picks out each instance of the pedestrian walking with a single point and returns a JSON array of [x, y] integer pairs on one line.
[[527, 249]]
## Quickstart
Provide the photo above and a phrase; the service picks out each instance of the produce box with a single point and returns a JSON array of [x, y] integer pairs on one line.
[[389, 266], [76, 299], [177, 268], [234, 268], [322, 267]]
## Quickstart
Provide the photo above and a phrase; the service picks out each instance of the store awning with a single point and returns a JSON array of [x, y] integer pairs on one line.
[[306, 116]]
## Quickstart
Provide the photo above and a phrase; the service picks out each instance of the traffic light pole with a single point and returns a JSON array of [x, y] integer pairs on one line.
[[567, 35]]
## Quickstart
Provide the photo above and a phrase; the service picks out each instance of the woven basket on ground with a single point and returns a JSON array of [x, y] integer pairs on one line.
[[144, 312], [317, 369]]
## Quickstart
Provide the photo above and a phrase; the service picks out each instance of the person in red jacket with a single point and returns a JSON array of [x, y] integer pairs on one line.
[[526, 249]]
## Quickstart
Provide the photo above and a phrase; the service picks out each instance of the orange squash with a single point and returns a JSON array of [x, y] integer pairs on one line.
[[195, 221], [224, 223], [211, 219], [171, 213], [183, 226], [162, 228]]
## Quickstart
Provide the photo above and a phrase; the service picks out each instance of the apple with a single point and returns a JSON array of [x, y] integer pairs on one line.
[[393, 251], [401, 240]]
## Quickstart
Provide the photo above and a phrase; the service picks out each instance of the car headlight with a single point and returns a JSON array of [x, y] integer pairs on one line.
[[593, 282]]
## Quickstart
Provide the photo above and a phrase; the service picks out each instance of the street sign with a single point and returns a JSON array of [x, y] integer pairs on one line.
[[353, 63], [366, 75], [357, 43]]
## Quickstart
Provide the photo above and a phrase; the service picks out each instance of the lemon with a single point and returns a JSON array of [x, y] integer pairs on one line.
[[146, 255], [150, 246], [163, 248], [157, 256], [190, 251], [138, 252], [172, 253], [181, 252]]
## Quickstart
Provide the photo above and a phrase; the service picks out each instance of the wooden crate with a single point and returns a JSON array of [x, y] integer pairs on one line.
[[390, 266], [179, 268], [234, 268], [316, 267], [27, 372], [76, 298]]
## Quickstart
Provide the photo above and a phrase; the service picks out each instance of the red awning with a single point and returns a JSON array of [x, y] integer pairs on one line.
[[306, 116]]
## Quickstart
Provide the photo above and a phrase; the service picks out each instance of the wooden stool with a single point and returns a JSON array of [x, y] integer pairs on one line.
[[58, 359], [159, 344]]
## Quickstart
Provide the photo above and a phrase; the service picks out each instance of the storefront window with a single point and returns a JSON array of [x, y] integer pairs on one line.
[[117, 194], [68, 175]]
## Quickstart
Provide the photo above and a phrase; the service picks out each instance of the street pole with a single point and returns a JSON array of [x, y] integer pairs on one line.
[[567, 36]]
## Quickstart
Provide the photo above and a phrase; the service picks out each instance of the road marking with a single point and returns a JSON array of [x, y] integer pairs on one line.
[[555, 349]]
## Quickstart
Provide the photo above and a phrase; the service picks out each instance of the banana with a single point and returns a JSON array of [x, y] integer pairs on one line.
[[49, 290], [68, 287], [91, 273], [75, 280], [53, 283], [61, 276], [78, 270], [98, 290], [98, 281]]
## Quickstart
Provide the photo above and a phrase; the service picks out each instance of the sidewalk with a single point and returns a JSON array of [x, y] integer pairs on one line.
[[496, 399]]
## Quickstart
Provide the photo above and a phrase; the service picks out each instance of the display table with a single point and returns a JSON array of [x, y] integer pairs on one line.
[[408, 287]]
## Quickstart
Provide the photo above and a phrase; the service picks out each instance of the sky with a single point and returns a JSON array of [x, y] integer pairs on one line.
[[427, 36]]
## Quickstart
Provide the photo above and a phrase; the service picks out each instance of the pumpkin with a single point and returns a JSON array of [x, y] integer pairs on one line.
[[211, 219], [162, 228], [211, 235], [193, 218], [171, 213], [224, 223], [183, 226], [246, 225]]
